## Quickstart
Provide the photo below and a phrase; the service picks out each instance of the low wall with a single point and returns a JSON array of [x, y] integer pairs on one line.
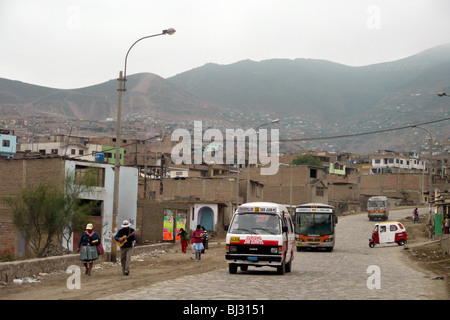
[[27, 268], [445, 243]]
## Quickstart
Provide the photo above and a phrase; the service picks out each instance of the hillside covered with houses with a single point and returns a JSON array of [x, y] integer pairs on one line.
[[159, 197]]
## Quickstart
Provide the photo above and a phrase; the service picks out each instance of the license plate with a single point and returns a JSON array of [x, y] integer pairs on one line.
[[252, 258], [234, 239]]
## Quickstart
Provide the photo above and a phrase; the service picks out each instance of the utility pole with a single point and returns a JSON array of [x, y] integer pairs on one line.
[[117, 166]]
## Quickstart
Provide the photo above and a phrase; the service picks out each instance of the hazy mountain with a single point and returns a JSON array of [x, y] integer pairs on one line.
[[334, 98], [308, 86], [146, 93]]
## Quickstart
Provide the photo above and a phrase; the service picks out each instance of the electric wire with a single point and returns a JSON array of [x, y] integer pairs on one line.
[[364, 133]]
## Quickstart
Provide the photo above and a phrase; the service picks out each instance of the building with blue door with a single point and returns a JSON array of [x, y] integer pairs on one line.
[[206, 215]]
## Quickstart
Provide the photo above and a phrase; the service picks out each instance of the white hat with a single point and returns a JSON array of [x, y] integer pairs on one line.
[[126, 224], [89, 226]]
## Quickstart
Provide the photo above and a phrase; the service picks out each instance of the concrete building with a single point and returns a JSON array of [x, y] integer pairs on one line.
[[292, 185], [8, 142], [392, 163], [162, 220], [79, 148], [209, 201]]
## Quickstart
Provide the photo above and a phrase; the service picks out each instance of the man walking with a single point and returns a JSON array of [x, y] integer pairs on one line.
[[124, 238]]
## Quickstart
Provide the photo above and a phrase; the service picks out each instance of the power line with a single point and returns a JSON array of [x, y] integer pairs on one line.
[[113, 148], [364, 133]]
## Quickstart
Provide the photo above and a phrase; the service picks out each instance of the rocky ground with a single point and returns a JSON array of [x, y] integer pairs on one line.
[[427, 254]]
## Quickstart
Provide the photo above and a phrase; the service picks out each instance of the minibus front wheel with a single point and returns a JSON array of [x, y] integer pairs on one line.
[[232, 268], [282, 268]]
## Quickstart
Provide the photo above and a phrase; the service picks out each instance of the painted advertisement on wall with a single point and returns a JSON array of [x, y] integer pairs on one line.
[[181, 222], [168, 225]]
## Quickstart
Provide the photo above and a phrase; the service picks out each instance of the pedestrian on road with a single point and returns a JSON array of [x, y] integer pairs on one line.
[[124, 238], [416, 216], [184, 237], [89, 241], [447, 225], [205, 239], [197, 240]]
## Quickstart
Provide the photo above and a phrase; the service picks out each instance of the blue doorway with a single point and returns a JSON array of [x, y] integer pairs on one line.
[[206, 218]]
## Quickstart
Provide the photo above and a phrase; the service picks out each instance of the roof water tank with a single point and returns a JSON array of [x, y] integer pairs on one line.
[[99, 157]]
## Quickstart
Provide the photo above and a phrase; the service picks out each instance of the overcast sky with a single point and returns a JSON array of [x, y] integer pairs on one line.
[[73, 44]]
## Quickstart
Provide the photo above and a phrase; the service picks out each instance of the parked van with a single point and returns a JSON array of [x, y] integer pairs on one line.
[[377, 208], [260, 234]]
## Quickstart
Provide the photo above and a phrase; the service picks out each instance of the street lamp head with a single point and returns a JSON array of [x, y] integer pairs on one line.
[[169, 31], [276, 121]]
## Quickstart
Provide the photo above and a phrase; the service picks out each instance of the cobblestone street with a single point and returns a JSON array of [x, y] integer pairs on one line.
[[341, 274]]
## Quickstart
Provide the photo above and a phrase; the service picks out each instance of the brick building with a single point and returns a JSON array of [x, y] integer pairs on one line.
[[396, 186], [224, 192], [18, 174], [292, 184]]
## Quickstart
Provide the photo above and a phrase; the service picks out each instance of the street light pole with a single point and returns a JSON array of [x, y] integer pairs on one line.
[[122, 79], [430, 183]]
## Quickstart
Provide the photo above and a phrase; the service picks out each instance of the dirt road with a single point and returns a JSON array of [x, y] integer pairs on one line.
[[107, 278], [150, 268]]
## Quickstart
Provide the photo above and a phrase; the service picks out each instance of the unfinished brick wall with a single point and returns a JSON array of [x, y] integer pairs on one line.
[[205, 189], [393, 184], [16, 175]]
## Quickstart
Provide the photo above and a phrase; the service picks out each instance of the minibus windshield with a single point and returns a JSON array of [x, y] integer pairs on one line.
[[376, 203], [255, 223], [314, 223]]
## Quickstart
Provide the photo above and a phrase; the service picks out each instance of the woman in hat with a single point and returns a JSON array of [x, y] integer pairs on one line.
[[88, 243]]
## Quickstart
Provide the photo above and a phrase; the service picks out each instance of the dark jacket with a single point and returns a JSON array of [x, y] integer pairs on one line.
[[126, 232], [85, 239]]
